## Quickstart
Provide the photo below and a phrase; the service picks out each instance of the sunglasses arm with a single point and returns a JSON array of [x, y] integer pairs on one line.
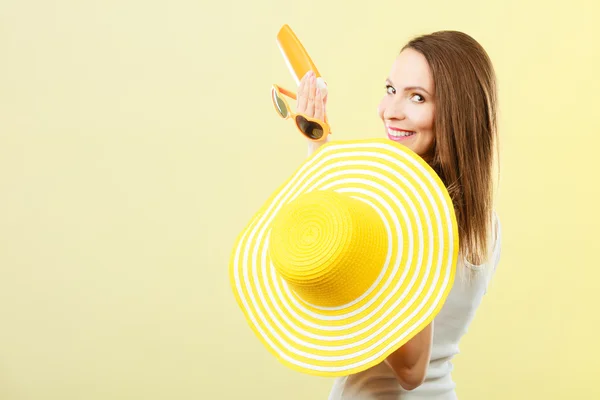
[[288, 93]]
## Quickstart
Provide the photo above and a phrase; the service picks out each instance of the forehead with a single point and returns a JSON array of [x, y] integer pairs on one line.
[[410, 68]]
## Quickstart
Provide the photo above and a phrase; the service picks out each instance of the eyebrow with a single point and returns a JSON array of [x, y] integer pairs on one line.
[[409, 87]]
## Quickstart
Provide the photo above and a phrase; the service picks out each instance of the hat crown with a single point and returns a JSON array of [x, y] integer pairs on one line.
[[328, 246]]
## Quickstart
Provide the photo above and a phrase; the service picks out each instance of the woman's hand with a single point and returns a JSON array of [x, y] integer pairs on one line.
[[312, 102], [311, 99]]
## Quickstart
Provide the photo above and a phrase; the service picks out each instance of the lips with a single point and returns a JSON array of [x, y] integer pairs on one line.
[[399, 134]]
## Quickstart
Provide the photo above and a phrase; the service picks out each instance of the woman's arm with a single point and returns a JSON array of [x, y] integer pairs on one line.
[[410, 361], [314, 146]]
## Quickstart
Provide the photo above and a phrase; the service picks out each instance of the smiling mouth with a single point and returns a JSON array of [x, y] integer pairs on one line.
[[399, 135]]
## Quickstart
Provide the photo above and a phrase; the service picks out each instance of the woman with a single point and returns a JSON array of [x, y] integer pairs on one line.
[[440, 102]]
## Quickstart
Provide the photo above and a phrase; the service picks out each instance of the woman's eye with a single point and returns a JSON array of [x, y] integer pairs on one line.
[[418, 98], [390, 90]]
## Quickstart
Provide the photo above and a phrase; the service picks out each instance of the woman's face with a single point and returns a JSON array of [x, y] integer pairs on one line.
[[407, 108]]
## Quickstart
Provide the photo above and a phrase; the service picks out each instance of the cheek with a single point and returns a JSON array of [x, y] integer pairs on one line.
[[424, 119]]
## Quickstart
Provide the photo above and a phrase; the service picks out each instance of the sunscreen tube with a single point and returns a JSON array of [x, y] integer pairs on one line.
[[296, 57]]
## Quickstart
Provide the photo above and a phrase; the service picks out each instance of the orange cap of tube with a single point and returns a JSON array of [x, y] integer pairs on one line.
[[295, 55]]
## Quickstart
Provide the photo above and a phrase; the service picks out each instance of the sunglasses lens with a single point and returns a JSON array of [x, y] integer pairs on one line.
[[279, 104], [309, 128]]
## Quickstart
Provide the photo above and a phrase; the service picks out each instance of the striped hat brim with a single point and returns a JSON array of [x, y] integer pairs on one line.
[[411, 289]]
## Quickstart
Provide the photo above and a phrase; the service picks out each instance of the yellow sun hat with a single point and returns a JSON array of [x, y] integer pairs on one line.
[[347, 260]]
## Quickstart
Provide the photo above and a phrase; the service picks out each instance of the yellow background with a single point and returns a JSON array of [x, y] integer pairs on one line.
[[137, 139]]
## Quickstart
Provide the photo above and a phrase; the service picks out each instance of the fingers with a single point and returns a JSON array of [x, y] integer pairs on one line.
[[312, 97], [321, 84], [301, 95], [312, 92], [306, 94], [319, 105]]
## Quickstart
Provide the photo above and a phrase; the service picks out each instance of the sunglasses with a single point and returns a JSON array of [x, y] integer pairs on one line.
[[313, 129]]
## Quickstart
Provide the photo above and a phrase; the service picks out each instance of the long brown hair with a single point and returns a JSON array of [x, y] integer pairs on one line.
[[465, 126]]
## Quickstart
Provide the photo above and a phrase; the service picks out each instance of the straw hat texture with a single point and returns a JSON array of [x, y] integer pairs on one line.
[[348, 259]]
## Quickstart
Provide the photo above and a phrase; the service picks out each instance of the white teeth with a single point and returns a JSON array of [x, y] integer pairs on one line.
[[399, 133]]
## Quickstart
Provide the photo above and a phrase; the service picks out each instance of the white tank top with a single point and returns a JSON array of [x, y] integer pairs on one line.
[[449, 326]]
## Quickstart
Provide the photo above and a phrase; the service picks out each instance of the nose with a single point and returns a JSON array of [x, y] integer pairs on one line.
[[393, 109]]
